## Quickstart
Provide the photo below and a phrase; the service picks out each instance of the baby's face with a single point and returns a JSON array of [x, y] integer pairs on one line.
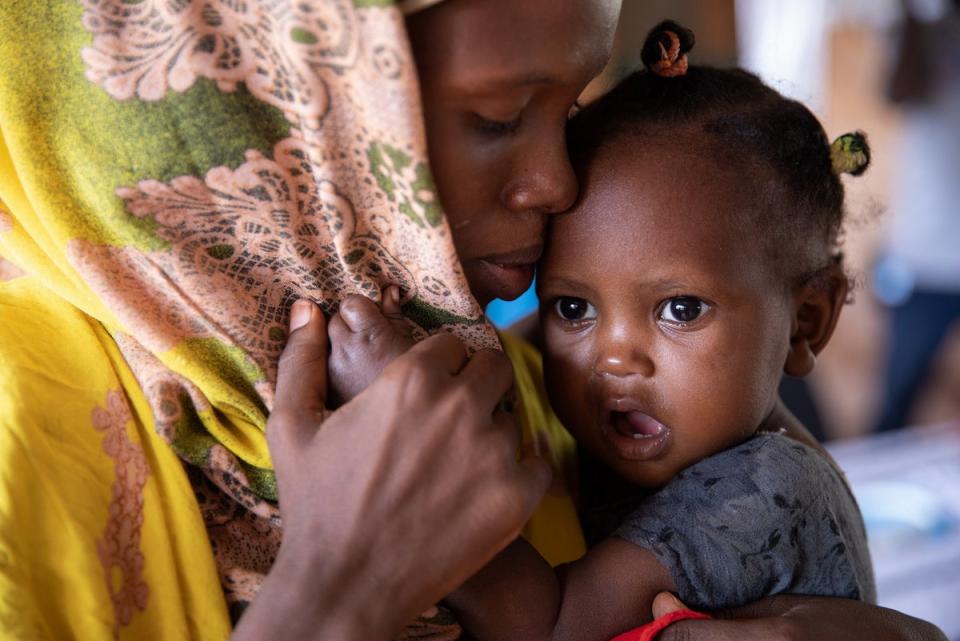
[[666, 332]]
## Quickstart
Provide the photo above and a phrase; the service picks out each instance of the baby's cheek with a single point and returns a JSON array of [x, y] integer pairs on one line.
[[567, 379]]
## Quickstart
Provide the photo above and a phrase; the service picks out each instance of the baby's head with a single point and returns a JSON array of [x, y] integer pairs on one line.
[[700, 264]]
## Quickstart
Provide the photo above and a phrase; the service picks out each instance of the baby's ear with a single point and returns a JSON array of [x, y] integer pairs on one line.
[[816, 308]]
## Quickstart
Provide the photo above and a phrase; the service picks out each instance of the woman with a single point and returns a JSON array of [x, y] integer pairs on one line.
[[200, 165], [496, 201]]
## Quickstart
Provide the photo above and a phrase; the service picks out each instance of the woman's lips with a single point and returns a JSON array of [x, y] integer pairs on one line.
[[512, 271], [511, 280], [636, 436]]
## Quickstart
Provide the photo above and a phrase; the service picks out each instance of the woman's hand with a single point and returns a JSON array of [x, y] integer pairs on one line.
[[397, 498], [797, 618]]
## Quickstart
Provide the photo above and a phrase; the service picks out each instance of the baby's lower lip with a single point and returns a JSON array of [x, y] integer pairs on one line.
[[637, 436]]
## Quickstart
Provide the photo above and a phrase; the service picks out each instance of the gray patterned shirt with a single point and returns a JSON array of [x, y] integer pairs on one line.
[[765, 517]]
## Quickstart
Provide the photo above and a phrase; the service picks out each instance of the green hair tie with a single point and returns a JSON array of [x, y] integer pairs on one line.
[[850, 154]]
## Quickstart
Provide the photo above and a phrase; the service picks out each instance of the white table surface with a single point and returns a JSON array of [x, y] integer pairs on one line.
[[908, 486]]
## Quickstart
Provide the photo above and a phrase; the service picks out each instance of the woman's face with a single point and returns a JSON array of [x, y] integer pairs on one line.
[[498, 79]]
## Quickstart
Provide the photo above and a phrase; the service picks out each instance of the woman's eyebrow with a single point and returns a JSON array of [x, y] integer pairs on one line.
[[498, 83]]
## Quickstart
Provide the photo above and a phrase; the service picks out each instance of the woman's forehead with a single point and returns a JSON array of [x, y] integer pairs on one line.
[[491, 44]]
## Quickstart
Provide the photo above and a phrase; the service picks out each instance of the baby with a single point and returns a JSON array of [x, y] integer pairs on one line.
[[699, 265]]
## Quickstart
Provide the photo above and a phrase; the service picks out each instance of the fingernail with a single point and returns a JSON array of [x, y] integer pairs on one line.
[[395, 295], [665, 603], [673, 599], [300, 314]]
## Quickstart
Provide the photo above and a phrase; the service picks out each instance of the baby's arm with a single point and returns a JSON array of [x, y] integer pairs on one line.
[[363, 340], [519, 596]]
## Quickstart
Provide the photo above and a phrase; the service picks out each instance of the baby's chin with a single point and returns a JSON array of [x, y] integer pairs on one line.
[[656, 472], [648, 475]]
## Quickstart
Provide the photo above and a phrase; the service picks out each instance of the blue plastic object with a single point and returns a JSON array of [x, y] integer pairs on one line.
[[503, 313]]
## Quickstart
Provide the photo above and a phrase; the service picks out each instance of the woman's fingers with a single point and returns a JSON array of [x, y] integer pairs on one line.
[[665, 603], [714, 630], [302, 369], [699, 630], [508, 432], [441, 353], [397, 467], [489, 376], [535, 478], [784, 617]]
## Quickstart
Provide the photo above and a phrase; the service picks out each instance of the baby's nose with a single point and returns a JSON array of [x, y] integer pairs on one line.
[[623, 361]]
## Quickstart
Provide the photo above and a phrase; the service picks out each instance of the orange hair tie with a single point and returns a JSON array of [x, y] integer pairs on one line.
[[665, 50], [672, 62]]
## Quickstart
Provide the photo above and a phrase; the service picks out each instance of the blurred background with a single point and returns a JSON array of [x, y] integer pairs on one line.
[[885, 394]]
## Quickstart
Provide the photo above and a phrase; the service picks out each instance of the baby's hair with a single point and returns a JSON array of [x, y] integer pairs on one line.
[[731, 115]]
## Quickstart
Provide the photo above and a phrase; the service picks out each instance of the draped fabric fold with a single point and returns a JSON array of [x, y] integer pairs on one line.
[[173, 175]]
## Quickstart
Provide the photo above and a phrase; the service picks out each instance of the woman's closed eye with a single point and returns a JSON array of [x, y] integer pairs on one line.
[[574, 310], [681, 311], [492, 127]]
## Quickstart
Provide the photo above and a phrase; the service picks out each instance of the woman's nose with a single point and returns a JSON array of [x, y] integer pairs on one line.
[[543, 182]]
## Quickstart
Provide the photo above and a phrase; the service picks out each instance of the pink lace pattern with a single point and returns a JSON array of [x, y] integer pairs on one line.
[[243, 245], [119, 547], [164, 390], [278, 49], [345, 204], [9, 271]]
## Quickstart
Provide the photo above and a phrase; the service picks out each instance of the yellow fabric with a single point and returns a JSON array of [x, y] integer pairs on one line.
[[186, 203], [180, 173], [62, 494], [57, 366], [172, 177], [554, 530]]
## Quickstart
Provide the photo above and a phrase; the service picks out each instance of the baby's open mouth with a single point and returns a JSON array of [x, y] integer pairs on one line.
[[636, 425], [635, 435]]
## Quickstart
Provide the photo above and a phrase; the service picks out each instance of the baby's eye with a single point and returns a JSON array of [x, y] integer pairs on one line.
[[681, 310], [574, 309]]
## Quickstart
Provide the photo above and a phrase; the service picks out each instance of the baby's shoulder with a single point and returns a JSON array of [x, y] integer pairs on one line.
[[766, 478], [767, 516], [767, 461]]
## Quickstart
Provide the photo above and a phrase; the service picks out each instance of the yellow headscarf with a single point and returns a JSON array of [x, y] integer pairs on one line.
[[172, 176]]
